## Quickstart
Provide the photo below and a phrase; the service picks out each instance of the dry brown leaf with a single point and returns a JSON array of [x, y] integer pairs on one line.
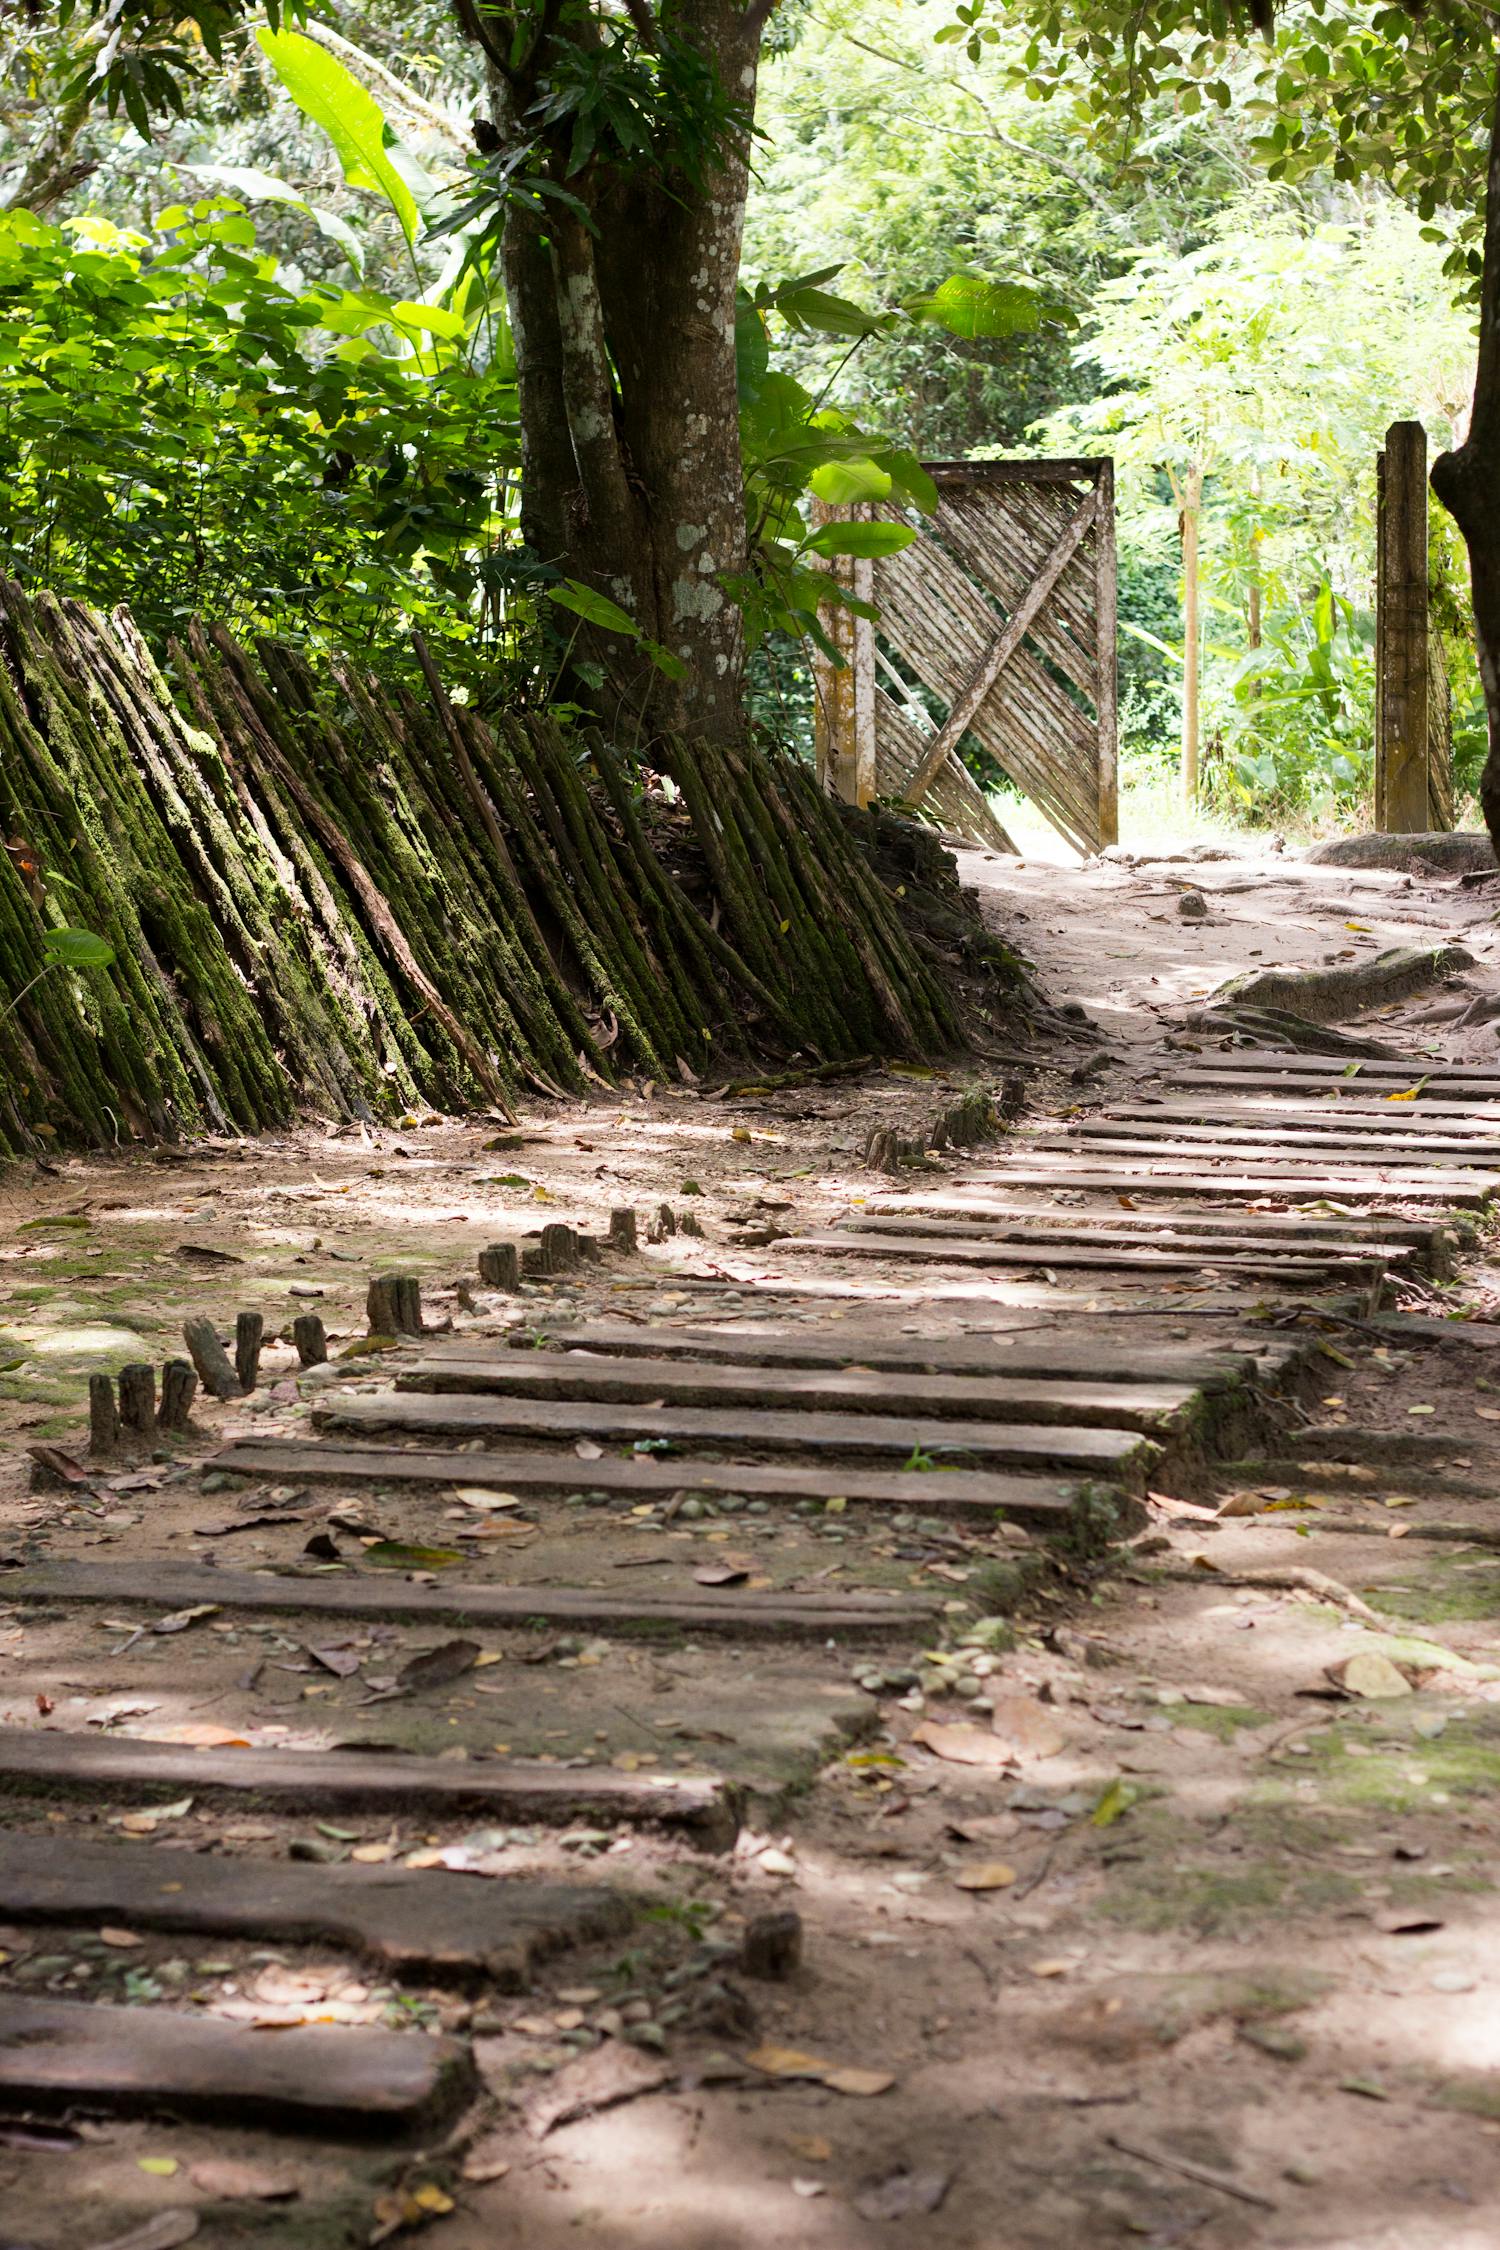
[[989, 1875], [1025, 1727], [962, 1745], [234, 2181]]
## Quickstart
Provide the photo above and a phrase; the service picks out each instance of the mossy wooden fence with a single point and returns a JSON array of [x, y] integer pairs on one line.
[[328, 893]]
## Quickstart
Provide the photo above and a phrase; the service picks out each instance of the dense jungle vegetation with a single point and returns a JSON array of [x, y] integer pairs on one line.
[[255, 358]]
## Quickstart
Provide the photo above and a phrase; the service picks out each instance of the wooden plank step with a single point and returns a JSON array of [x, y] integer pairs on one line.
[[1304, 1076], [1461, 1191], [976, 1493], [1091, 1355], [343, 2082], [1371, 1113], [1292, 1061], [1392, 1148], [851, 1390], [48, 1761], [384, 1594], [1138, 1258], [449, 1929], [1254, 1226], [1114, 1453], [1180, 1233]]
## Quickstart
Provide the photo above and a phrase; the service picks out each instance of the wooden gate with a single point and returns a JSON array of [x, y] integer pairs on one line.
[[1003, 611]]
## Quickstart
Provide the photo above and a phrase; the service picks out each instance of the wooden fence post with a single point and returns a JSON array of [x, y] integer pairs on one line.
[[1106, 658], [1404, 796], [844, 694]]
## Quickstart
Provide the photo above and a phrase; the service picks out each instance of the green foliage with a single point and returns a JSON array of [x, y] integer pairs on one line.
[[185, 429], [1398, 93], [350, 116], [1268, 363]]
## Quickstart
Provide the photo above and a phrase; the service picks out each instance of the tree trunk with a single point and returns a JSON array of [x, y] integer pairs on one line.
[[625, 350], [1468, 484], [1192, 502]]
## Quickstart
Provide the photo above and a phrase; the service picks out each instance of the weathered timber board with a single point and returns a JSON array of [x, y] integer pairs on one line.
[[1375, 1113], [1049, 1505], [850, 1390], [1101, 1452], [1165, 1234], [343, 2082], [384, 1594], [1253, 1226], [1392, 1149], [1063, 1358], [45, 1760], [1139, 1258], [1274, 1062], [450, 1928], [1460, 1190]]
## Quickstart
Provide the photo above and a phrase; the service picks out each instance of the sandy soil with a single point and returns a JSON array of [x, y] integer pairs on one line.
[[1235, 1981]]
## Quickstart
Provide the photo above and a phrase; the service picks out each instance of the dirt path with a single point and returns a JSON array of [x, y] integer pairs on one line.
[[1199, 1946]]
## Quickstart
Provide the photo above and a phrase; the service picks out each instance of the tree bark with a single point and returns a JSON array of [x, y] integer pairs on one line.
[[1467, 482], [625, 350]]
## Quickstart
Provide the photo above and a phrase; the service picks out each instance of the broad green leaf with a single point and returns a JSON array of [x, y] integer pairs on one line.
[[350, 116], [831, 316], [971, 305], [861, 538], [594, 608], [436, 320], [264, 187], [78, 949], [842, 483]]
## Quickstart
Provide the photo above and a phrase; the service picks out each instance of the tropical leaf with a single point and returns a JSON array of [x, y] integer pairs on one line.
[[350, 116]]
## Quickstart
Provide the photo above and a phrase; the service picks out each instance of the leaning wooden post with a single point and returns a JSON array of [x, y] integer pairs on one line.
[[844, 692], [1402, 664]]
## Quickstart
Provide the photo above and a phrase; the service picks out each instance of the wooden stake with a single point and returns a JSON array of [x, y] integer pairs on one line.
[[104, 1416], [622, 1229], [311, 1339], [210, 1358], [249, 1336], [178, 1387], [500, 1265], [138, 1398], [393, 1305], [1402, 666]]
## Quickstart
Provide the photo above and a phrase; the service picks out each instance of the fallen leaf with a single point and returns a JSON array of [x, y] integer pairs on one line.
[[121, 1938], [235, 2181], [903, 2195], [199, 1734], [340, 1661], [373, 1855], [840, 2078], [586, 1450], [809, 2188], [989, 1875], [483, 2164], [395, 1554], [178, 1620], [436, 1666], [962, 1745], [163, 2232], [719, 1574], [863, 2083], [1112, 1803], [481, 1496], [812, 2147], [160, 2167], [1025, 1727]]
